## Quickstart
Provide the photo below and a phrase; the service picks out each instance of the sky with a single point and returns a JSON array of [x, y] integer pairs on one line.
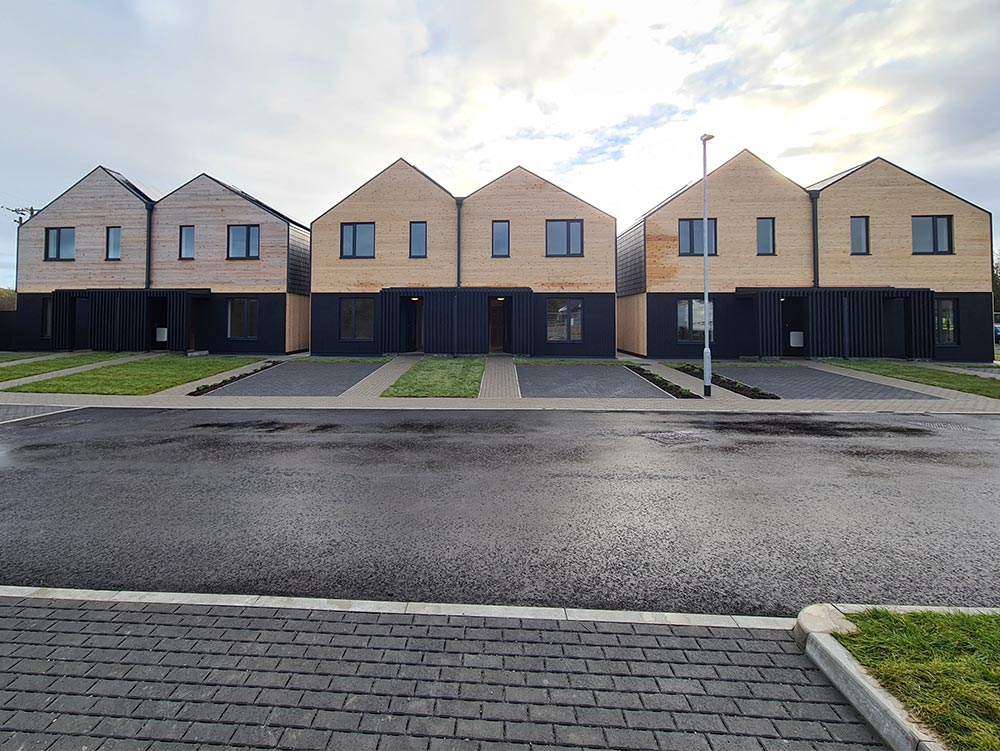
[[298, 102]]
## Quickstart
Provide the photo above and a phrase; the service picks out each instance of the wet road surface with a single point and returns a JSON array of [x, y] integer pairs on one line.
[[697, 513]]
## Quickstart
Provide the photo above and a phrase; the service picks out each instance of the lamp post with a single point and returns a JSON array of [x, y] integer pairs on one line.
[[707, 352]]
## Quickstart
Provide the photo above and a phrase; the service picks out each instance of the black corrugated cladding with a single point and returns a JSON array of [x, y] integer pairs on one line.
[[119, 318]]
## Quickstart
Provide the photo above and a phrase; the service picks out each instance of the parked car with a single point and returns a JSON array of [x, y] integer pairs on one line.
[[996, 333]]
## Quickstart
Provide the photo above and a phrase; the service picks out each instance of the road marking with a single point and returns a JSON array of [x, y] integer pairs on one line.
[[41, 414]]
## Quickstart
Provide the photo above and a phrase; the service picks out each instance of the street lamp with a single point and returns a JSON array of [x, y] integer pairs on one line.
[[707, 352]]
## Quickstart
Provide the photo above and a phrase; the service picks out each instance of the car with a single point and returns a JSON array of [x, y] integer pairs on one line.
[[996, 333]]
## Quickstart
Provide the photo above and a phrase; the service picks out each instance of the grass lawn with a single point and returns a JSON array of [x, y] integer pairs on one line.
[[440, 376], [59, 363], [139, 377], [970, 384], [11, 356], [944, 667]]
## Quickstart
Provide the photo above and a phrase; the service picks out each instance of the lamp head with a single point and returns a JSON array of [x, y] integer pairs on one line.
[[707, 137]]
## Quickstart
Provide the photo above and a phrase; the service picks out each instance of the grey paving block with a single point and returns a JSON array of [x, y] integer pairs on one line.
[[808, 383], [584, 381], [300, 378]]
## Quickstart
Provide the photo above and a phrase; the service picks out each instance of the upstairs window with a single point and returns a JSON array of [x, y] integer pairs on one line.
[[60, 244], [242, 318], [113, 244], [501, 239], [186, 251], [244, 241], [564, 319], [564, 237], [691, 236], [932, 235], [357, 240], [418, 239], [765, 236], [859, 236]]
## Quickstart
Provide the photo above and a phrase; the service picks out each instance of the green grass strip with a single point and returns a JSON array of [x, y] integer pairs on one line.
[[139, 377], [24, 370], [440, 376], [944, 667], [970, 384], [13, 356]]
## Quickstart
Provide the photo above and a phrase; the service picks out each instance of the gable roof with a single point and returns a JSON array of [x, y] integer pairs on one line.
[[538, 177], [149, 195], [144, 195], [242, 194], [372, 179]]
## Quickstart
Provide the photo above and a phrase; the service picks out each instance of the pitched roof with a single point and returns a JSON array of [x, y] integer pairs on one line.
[[840, 175], [242, 194], [149, 195], [539, 177], [144, 195]]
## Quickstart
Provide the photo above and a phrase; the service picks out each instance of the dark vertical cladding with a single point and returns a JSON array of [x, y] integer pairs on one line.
[[975, 328], [299, 260], [630, 261]]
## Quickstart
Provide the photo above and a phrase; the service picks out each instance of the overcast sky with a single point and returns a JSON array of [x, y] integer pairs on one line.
[[299, 102]]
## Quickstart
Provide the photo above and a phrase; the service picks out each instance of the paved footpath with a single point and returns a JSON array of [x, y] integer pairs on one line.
[[105, 675]]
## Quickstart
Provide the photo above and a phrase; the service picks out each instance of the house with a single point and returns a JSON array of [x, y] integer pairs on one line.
[[112, 266], [787, 279], [519, 266]]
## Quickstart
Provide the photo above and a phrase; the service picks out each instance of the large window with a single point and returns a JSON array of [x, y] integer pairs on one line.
[[244, 241], [60, 244], [418, 239], [946, 321], [564, 319], [186, 251], [859, 236], [765, 236], [242, 318], [691, 320], [564, 237], [691, 236], [357, 319], [501, 239], [46, 318], [113, 244], [357, 240], [932, 234]]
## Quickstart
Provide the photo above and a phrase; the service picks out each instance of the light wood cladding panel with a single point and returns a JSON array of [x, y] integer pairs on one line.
[[392, 199], [296, 322], [211, 207], [631, 324], [891, 197], [95, 203], [527, 201], [739, 192]]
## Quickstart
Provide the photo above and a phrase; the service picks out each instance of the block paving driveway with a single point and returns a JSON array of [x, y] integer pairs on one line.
[[306, 378], [790, 382], [111, 676], [585, 381]]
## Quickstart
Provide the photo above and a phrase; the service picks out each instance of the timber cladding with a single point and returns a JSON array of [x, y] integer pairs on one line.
[[739, 192], [296, 323], [392, 199], [211, 207], [95, 203], [631, 324], [527, 201], [891, 197]]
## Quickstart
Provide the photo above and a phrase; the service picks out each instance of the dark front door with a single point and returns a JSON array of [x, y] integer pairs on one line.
[[411, 324], [198, 331], [156, 315], [499, 318], [793, 327], [81, 323], [894, 327]]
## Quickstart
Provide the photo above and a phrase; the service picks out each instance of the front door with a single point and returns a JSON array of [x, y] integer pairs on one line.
[[498, 324], [793, 327], [156, 317], [81, 323], [411, 324]]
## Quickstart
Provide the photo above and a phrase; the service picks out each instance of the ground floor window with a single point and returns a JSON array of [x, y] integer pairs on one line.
[[242, 318], [357, 319], [564, 319], [946, 321], [47, 318], [691, 320]]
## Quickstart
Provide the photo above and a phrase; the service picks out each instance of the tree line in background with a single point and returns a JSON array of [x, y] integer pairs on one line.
[[8, 298]]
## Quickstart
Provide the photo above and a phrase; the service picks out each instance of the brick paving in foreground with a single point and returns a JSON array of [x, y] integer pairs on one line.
[[127, 675]]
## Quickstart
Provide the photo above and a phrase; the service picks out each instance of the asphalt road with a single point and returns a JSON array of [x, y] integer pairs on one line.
[[698, 513]]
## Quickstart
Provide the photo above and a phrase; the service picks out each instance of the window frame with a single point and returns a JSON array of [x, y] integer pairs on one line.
[[774, 241], [353, 300], [690, 320], [956, 341], [354, 240], [246, 318], [569, 234], [180, 242], [935, 251], [46, 332], [868, 236], [568, 330], [713, 234], [107, 243], [424, 223], [247, 257], [58, 257], [493, 248]]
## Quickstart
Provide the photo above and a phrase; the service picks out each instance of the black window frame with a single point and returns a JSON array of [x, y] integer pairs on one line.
[[107, 243], [246, 318], [354, 319], [180, 242], [247, 257], [46, 332], [354, 239], [935, 251], [569, 329], [868, 236], [493, 239], [569, 253], [57, 257], [713, 234], [937, 322], [774, 241], [710, 316], [424, 223]]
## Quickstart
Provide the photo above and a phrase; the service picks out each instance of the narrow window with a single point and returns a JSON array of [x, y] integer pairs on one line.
[[564, 237], [501, 239], [46, 318], [243, 318], [357, 240], [564, 319], [357, 319], [60, 244], [186, 251], [691, 320], [691, 236], [765, 236], [418, 239], [932, 235], [244, 241], [113, 244], [859, 236], [946, 321]]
